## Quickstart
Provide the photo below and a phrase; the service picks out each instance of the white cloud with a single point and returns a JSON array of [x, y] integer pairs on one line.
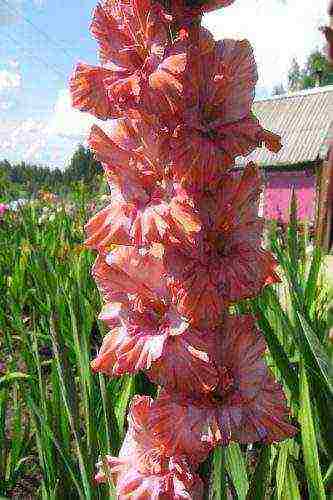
[[30, 126], [277, 31], [69, 122], [35, 148], [20, 140], [51, 141], [9, 80]]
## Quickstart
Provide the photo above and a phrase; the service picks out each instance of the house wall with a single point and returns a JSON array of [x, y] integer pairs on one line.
[[278, 191], [324, 216]]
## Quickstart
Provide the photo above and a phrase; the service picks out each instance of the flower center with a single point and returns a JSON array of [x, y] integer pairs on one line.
[[225, 387], [155, 314], [206, 119], [215, 242]]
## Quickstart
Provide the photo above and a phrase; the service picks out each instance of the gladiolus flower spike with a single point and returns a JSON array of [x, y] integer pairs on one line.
[[179, 242]]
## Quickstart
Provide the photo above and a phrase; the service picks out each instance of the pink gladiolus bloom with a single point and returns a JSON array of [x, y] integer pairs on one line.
[[227, 264], [146, 206], [179, 242], [147, 333], [145, 469], [141, 71], [246, 406], [218, 124]]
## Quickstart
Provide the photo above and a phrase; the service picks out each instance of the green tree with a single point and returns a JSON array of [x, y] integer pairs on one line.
[[316, 72], [294, 75], [83, 166], [28, 179]]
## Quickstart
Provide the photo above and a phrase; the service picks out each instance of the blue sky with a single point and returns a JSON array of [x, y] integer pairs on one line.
[[41, 40]]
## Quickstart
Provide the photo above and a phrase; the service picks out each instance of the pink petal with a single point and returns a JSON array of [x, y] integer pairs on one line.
[[88, 92], [185, 365], [232, 90], [110, 226], [112, 40]]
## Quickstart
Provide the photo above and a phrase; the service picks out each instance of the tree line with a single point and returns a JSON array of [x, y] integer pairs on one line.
[[32, 178]]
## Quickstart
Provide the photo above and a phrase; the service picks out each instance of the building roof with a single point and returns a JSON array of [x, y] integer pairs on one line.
[[304, 120]]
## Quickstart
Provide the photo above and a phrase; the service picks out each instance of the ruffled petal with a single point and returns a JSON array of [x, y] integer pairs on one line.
[[110, 226], [158, 487], [126, 270], [238, 138], [185, 365], [106, 150], [197, 163], [145, 468], [128, 146], [124, 93], [226, 264], [133, 38], [270, 140], [245, 273], [88, 91], [107, 357], [149, 208], [124, 223], [162, 221], [257, 411], [194, 289], [127, 351], [230, 92], [115, 43], [246, 406], [175, 62], [191, 435]]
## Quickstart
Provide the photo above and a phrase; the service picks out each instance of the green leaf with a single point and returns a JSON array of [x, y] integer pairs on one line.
[[293, 243], [260, 479], [321, 360], [123, 399], [286, 479], [236, 469], [328, 479], [281, 469], [276, 348], [309, 444], [218, 483], [291, 490], [48, 431], [312, 281]]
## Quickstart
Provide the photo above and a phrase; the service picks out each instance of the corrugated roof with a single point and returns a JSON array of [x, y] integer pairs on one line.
[[304, 120]]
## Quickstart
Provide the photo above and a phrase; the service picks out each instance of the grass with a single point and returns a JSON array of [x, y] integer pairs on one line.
[[56, 416]]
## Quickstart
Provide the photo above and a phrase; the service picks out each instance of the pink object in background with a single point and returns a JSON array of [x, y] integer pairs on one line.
[[278, 191], [3, 208]]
